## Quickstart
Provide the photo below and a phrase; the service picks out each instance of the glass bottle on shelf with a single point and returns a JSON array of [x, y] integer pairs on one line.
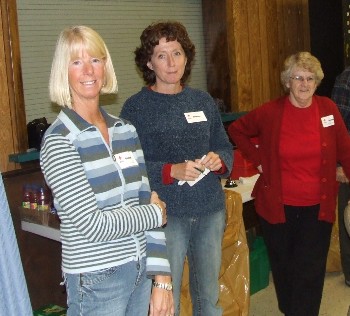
[[34, 197], [43, 199], [26, 196]]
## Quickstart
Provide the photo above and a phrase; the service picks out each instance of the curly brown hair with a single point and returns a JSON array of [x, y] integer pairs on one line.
[[171, 30]]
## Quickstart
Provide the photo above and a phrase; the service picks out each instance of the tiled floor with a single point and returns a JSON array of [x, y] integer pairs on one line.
[[335, 300]]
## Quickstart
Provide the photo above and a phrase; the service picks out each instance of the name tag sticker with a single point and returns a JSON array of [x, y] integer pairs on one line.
[[195, 117], [125, 160], [327, 120]]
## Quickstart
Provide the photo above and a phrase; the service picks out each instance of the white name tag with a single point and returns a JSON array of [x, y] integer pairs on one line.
[[327, 120], [125, 160], [195, 117]]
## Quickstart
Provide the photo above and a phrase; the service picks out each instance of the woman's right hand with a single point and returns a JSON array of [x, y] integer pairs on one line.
[[186, 171], [156, 200]]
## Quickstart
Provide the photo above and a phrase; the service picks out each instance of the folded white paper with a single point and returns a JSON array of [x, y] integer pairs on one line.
[[200, 177]]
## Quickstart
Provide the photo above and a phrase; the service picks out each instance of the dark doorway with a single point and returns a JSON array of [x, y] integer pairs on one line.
[[327, 39]]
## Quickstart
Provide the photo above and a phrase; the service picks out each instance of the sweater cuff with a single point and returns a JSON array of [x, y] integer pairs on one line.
[[222, 170], [166, 177]]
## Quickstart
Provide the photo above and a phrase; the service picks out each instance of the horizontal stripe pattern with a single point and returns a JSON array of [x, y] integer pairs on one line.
[[103, 223]]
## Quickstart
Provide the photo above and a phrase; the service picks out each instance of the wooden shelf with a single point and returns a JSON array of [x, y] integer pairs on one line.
[[41, 230]]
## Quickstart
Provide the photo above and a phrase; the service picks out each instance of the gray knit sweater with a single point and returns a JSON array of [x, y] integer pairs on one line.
[[167, 137]]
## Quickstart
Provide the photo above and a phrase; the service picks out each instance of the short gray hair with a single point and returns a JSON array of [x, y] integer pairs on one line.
[[303, 60]]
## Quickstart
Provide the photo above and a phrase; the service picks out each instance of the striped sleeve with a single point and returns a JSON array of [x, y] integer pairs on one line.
[[63, 171], [157, 261]]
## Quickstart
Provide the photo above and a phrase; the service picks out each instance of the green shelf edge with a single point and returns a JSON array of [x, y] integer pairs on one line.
[[24, 157]]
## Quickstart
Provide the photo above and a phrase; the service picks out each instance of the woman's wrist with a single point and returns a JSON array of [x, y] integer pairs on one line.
[[160, 207], [162, 278], [163, 282], [164, 286]]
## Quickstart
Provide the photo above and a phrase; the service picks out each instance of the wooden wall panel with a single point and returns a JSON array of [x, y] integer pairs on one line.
[[306, 24], [264, 45], [275, 46], [230, 43], [241, 55], [5, 113], [13, 134], [255, 59], [260, 35], [216, 50]]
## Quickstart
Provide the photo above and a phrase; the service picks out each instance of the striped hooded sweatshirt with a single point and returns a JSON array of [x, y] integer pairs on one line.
[[106, 218]]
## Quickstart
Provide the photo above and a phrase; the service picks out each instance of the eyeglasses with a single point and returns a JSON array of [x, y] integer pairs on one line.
[[301, 79]]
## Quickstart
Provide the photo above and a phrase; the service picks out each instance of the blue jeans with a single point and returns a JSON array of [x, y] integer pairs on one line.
[[121, 290], [200, 238]]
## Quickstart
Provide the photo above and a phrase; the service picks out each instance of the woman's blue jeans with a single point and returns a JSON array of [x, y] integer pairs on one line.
[[200, 238], [121, 290]]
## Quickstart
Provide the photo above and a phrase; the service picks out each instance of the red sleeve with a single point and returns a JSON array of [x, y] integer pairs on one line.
[[166, 177], [222, 170]]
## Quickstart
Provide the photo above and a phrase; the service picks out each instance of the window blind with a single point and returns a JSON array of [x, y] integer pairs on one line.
[[120, 23]]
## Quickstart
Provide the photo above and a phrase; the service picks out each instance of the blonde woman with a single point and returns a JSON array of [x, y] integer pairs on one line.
[[94, 165]]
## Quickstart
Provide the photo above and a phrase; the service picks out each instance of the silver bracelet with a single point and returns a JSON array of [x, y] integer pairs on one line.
[[164, 286]]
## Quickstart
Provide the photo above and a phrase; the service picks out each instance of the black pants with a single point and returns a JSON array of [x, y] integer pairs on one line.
[[298, 255], [344, 239]]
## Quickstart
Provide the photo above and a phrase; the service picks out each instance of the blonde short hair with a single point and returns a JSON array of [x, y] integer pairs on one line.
[[68, 46], [302, 60]]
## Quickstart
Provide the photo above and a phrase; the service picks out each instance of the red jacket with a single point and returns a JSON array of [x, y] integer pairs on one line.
[[264, 123]]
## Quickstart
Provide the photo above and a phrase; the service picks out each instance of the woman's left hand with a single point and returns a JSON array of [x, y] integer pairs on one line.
[[212, 161], [341, 177], [162, 303]]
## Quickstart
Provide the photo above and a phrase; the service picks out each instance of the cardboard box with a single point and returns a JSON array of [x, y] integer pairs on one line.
[[50, 310], [259, 266]]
